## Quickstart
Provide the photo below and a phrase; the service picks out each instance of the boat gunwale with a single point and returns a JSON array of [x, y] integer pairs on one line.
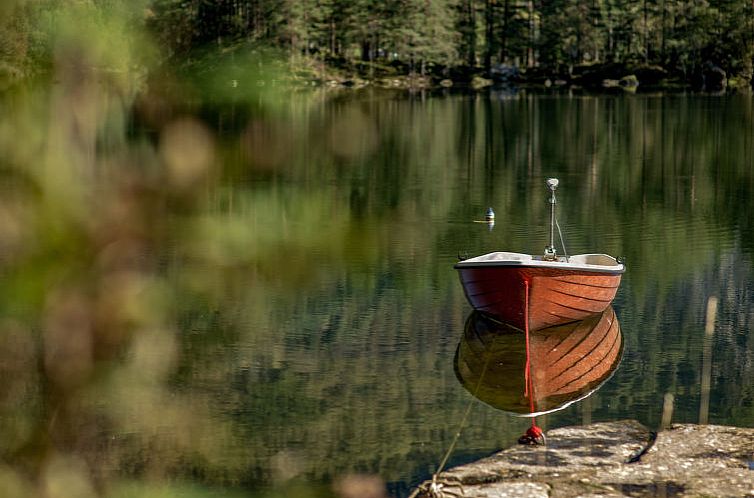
[[541, 264]]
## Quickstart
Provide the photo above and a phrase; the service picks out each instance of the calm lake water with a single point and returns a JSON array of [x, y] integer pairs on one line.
[[335, 353], [311, 275]]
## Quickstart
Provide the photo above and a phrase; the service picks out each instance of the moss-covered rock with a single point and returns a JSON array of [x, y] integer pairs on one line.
[[477, 82], [614, 459]]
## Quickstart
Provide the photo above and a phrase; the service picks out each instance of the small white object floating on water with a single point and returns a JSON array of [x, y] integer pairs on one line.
[[490, 216]]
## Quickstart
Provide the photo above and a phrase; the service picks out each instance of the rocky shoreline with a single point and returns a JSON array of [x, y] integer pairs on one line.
[[614, 459], [605, 77]]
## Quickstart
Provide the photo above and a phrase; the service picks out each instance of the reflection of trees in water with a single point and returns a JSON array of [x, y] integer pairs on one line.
[[221, 299], [665, 339], [641, 195], [338, 342]]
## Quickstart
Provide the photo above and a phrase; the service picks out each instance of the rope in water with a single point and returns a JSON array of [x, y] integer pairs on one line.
[[435, 486], [534, 432], [462, 425]]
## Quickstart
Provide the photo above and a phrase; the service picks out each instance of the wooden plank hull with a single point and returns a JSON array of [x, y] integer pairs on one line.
[[567, 362], [556, 295]]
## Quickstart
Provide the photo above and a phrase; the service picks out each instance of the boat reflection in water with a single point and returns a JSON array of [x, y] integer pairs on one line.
[[564, 364]]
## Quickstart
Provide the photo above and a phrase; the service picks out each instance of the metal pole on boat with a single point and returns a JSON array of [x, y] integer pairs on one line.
[[550, 252]]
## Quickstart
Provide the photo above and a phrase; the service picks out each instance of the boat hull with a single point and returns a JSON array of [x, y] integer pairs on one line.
[[555, 295]]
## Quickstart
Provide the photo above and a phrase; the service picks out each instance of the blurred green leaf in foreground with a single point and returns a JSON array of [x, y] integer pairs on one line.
[[89, 342]]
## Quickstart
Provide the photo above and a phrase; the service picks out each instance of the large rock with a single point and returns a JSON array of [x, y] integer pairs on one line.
[[593, 460]]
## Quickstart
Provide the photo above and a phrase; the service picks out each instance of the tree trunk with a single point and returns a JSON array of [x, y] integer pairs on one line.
[[646, 33], [469, 34], [530, 50], [663, 55], [504, 33], [332, 37], [488, 35]]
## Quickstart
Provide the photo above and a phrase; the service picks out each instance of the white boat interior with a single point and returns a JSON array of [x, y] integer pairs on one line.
[[589, 262]]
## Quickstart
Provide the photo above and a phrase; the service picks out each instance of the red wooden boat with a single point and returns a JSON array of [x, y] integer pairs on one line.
[[565, 363], [535, 292]]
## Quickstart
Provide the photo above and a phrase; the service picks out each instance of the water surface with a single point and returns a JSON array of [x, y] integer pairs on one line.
[[249, 295], [334, 348]]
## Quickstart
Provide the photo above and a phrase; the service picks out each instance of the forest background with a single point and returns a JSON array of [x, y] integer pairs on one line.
[[706, 45]]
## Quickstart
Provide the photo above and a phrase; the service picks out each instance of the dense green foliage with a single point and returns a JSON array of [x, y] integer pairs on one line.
[[681, 36], [680, 39]]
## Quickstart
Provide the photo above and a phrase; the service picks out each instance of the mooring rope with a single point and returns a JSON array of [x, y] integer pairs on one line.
[[457, 435], [462, 425], [528, 382], [527, 367], [534, 433]]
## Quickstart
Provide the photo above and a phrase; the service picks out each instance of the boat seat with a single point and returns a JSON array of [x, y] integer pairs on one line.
[[594, 259]]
